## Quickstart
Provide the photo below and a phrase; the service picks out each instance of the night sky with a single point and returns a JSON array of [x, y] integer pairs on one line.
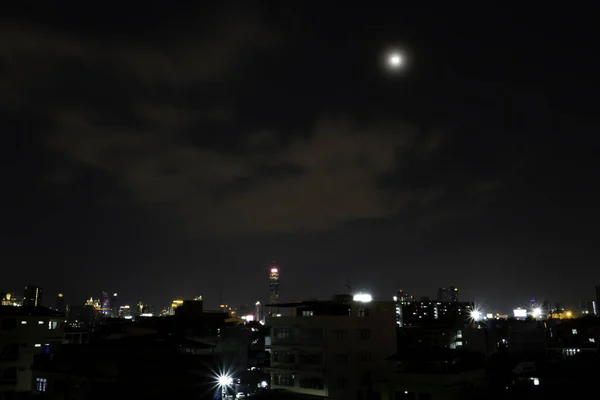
[[159, 151]]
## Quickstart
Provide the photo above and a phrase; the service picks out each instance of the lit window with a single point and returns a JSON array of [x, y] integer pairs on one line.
[[38, 345], [52, 324], [574, 331], [40, 322], [592, 340], [41, 384], [23, 322]]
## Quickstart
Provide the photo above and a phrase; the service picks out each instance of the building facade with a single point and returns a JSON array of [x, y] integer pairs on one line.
[[25, 332], [331, 349]]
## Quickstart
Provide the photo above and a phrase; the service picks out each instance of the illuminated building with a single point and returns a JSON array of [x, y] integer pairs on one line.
[[258, 311], [60, 305], [226, 308], [32, 296], [403, 297], [104, 304], [9, 299], [419, 312], [125, 312], [274, 285], [174, 305], [140, 308], [114, 305]]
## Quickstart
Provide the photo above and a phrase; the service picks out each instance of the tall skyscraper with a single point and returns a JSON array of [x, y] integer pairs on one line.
[[61, 305], [114, 306], [32, 296], [453, 293], [274, 284], [104, 303]]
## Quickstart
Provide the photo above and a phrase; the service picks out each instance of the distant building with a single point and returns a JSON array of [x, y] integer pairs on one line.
[[25, 332], [104, 304], [190, 309], [32, 297], [588, 308], [274, 284], [9, 299], [598, 300], [114, 305], [331, 349], [60, 304], [418, 313]]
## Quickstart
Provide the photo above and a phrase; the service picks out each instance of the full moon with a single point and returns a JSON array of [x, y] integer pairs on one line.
[[395, 60]]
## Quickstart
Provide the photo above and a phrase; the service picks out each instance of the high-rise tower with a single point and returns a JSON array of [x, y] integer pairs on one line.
[[273, 284], [32, 296]]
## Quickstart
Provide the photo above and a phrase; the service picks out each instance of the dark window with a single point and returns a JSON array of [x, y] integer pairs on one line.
[[340, 335], [311, 359], [283, 380], [8, 324], [364, 333], [10, 352], [9, 374], [342, 383], [284, 357], [365, 357], [311, 334], [342, 359], [283, 333], [312, 382], [364, 312]]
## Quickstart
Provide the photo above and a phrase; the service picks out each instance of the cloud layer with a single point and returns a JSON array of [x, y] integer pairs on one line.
[[147, 115]]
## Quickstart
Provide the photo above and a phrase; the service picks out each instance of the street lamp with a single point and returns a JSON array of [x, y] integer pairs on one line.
[[224, 382]]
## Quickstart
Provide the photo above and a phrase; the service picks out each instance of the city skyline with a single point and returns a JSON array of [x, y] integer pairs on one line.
[[179, 152]]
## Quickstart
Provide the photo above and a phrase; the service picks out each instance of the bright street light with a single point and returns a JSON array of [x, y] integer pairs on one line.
[[224, 381]]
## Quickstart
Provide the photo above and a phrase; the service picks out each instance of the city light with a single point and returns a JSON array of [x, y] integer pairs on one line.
[[264, 384], [362, 297], [225, 380], [476, 315], [274, 270], [536, 312]]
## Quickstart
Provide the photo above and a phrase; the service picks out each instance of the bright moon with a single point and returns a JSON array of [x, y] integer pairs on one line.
[[394, 60]]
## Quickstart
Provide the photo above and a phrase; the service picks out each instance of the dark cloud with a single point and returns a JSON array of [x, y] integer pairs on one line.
[[152, 118]]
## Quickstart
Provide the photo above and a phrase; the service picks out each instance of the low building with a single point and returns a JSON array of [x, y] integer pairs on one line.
[[331, 349], [439, 374], [25, 332]]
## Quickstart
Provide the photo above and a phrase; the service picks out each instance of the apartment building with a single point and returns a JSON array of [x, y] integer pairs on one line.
[[25, 332], [331, 349]]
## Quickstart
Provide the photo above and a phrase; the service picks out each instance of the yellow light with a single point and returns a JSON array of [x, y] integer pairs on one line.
[[60, 295], [569, 314]]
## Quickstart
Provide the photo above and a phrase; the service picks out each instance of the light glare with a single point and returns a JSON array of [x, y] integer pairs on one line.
[[225, 380], [362, 297]]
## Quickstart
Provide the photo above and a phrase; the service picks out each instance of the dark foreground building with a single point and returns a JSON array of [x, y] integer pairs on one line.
[[136, 365]]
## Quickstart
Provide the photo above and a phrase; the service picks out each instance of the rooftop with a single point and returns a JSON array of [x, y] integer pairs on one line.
[[10, 311]]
